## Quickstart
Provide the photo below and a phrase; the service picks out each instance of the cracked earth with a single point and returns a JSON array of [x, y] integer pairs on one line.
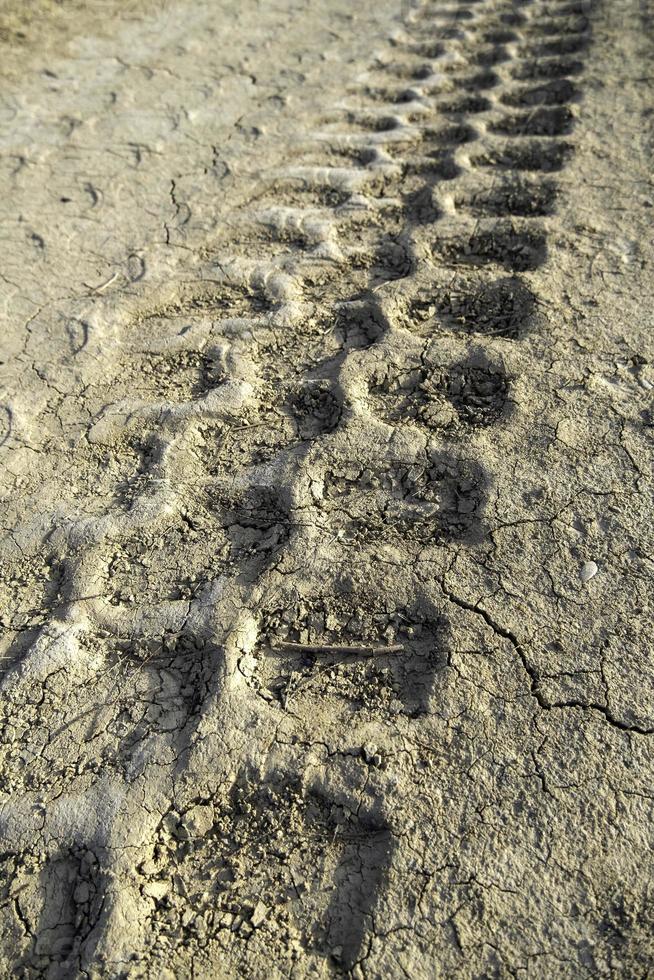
[[327, 546]]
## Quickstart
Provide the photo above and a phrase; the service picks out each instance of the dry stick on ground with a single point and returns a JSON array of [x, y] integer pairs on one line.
[[103, 285], [360, 651]]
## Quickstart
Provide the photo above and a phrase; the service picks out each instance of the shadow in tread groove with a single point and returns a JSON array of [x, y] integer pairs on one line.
[[557, 92], [424, 503], [549, 68], [496, 308], [538, 122], [175, 376], [546, 156], [508, 197], [57, 905], [327, 683], [265, 861], [478, 393], [503, 245], [474, 388]]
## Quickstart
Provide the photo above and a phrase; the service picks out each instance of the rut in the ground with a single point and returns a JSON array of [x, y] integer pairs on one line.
[[318, 401]]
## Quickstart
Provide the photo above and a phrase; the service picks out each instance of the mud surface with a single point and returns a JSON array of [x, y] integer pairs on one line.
[[325, 438]]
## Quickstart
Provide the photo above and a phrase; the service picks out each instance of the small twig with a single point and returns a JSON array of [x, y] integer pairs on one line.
[[103, 285], [357, 651]]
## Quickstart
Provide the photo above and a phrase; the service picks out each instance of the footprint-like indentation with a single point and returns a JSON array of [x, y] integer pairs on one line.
[[315, 408], [452, 33], [286, 415], [549, 68], [151, 685], [351, 325], [256, 521], [443, 10], [100, 475], [397, 96], [282, 356], [453, 135], [557, 92], [372, 123], [425, 502], [513, 18], [558, 26], [268, 237], [556, 47], [474, 392], [513, 196], [325, 153], [382, 254], [55, 904], [240, 527], [576, 8], [500, 308], [197, 301], [400, 69], [323, 337], [169, 562], [300, 678], [500, 36], [419, 206], [546, 156], [556, 121], [514, 249], [478, 393], [258, 862], [133, 688], [427, 49], [357, 324], [479, 81], [465, 105], [437, 164], [30, 587], [176, 376], [487, 57], [415, 395], [230, 446], [444, 13], [142, 688], [304, 192]]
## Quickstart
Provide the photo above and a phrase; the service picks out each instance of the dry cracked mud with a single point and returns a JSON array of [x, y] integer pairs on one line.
[[326, 563]]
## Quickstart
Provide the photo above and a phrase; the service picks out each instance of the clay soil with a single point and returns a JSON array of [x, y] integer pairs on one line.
[[326, 550]]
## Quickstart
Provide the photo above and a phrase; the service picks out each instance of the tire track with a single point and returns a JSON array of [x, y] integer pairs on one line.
[[309, 422]]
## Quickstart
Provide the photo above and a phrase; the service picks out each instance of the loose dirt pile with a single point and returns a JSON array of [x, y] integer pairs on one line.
[[326, 439]]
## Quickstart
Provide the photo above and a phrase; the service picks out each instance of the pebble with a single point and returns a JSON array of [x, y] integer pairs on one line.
[[371, 755], [156, 889], [259, 914], [588, 570]]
